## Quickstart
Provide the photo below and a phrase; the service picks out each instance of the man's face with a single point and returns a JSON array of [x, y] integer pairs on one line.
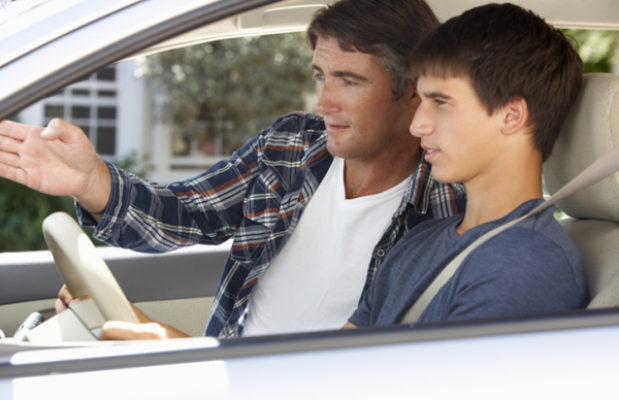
[[460, 139], [354, 96]]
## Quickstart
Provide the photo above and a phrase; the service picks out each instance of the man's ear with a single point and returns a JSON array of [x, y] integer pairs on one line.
[[516, 116], [413, 98]]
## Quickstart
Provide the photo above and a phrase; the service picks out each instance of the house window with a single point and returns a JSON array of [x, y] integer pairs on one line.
[[107, 93], [106, 74], [80, 112], [106, 140], [106, 113], [54, 111], [92, 105], [80, 92]]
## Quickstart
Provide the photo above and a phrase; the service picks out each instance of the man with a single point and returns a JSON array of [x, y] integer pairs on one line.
[[311, 202], [495, 85]]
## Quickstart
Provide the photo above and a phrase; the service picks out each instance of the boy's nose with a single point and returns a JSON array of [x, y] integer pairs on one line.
[[421, 125]]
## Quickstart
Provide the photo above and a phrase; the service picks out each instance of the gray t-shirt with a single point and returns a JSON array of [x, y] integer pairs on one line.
[[531, 268]]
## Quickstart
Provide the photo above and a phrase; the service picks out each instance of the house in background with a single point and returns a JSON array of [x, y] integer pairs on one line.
[[115, 108]]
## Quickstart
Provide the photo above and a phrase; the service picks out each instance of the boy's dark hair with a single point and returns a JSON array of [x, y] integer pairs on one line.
[[386, 29], [507, 52]]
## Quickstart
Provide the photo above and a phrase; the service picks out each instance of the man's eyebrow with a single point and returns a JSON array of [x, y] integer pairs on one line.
[[343, 74], [316, 68]]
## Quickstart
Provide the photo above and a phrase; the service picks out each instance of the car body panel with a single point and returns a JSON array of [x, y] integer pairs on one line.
[[22, 34], [483, 361]]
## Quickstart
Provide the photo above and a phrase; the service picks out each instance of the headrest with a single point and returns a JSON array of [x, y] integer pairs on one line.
[[590, 130]]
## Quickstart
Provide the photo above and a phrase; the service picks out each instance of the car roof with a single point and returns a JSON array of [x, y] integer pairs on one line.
[[581, 14], [28, 24], [294, 15]]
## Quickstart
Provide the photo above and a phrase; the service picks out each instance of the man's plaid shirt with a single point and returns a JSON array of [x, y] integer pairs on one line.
[[256, 197]]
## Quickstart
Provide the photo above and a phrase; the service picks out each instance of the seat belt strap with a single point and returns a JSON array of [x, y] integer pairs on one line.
[[600, 169]]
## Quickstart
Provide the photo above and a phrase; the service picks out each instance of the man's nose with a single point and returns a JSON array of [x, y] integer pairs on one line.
[[327, 100]]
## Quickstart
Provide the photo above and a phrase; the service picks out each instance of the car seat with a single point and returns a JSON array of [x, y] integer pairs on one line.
[[590, 130]]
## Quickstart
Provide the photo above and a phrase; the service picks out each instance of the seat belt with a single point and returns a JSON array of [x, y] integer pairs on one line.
[[600, 169]]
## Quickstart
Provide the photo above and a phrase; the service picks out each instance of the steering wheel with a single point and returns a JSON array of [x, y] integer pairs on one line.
[[83, 270]]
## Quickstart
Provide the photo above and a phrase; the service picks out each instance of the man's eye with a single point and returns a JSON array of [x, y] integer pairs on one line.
[[439, 102], [318, 76], [348, 82]]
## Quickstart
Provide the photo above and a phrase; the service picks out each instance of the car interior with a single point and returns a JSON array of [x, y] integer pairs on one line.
[[591, 130]]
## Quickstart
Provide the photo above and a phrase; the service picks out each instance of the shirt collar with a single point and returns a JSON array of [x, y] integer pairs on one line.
[[419, 189]]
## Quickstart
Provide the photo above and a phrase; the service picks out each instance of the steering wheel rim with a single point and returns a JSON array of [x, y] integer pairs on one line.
[[83, 270]]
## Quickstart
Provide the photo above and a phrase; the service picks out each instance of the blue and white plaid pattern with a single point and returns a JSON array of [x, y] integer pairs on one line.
[[257, 196]]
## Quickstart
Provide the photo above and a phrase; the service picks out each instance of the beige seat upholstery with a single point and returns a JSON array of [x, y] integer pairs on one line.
[[590, 130]]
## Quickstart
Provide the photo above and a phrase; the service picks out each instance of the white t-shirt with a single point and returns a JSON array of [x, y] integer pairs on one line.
[[315, 282]]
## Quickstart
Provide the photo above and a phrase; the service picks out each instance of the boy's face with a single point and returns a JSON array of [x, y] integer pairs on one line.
[[460, 139]]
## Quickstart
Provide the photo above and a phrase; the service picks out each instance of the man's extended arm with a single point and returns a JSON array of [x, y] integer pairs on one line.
[[240, 193], [206, 209], [60, 160]]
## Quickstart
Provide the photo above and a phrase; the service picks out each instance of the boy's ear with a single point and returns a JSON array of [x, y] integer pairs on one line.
[[516, 116]]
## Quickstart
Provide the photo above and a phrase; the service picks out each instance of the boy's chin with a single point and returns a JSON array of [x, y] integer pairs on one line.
[[444, 176]]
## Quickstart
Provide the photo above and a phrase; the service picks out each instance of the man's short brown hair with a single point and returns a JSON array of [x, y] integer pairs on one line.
[[386, 29], [507, 52]]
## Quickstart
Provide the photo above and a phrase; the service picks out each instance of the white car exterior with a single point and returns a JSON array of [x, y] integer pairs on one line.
[[565, 356]]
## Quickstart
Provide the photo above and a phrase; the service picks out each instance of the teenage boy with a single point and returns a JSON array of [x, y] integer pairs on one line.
[[495, 85]]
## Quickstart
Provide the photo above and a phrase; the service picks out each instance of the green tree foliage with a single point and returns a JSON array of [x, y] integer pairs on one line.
[[22, 213], [234, 87], [23, 210], [596, 48], [140, 167]]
